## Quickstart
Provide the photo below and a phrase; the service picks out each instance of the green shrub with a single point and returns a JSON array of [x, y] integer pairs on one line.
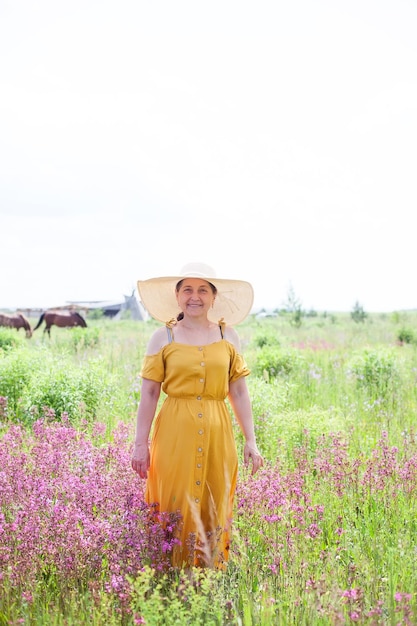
[[9, 339], [63, 388], [272, 361], [96, 314], [197, 598], [358, 313], [266, 339], [16, 370], [406, 335], [376, 372], [269, 402], [82, 338]]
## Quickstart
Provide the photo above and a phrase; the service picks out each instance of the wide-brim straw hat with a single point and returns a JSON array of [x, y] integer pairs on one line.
[[233, 302]]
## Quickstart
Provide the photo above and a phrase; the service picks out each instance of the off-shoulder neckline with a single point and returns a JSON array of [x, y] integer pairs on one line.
[[188, 345]]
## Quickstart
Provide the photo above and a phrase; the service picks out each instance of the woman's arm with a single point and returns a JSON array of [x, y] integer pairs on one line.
[[242, 408], [150, 392]]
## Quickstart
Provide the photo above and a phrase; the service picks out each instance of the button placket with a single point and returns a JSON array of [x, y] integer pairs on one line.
[[198, 473]]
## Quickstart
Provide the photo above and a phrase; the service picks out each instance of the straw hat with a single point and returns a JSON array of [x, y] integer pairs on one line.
[[233, 301]]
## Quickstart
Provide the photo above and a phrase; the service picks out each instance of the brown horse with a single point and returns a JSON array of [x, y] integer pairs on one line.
[[60, 318], [16, 320]]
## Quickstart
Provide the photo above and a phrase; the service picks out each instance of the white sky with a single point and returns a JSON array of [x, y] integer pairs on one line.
[[274, 140]]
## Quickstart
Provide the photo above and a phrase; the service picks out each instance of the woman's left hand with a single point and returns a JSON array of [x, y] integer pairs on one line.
[[251, 453]]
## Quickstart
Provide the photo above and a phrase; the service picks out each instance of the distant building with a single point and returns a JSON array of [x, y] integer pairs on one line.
[[129, 308]]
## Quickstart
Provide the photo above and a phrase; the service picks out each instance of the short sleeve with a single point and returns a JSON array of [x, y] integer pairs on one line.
[[153, 367], [238, 367]]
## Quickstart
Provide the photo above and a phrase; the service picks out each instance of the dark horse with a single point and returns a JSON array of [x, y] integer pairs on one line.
[[16, 320], [61, 319]]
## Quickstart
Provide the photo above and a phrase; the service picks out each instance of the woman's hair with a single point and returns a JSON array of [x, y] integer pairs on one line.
[[178, 287]]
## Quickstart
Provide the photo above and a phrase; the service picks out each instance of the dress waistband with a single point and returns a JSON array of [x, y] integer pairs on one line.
[[193, 397]]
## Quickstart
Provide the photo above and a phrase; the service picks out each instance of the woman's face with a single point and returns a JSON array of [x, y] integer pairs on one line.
[[195, 296]]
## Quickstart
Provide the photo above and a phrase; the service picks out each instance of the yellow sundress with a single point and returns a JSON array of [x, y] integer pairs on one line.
[[193, 467]]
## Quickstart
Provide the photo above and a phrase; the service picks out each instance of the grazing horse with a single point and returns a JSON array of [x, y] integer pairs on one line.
[[61, 319], [16, 320]]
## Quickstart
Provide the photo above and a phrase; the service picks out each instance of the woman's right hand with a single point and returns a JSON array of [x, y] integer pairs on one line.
[[141, 459]]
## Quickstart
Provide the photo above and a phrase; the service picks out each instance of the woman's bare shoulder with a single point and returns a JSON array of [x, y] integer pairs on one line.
[[232, 337], [158, 340]]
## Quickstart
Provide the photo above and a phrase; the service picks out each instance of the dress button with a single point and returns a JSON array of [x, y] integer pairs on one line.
[[202, 364], [198, 397], [200, 432], [200, 449], [201, 380], [200, 415], [197, 482], [198, 465], [200, 348], [197, 500]]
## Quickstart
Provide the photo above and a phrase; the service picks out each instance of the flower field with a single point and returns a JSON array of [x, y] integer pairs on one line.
[[325, 533]]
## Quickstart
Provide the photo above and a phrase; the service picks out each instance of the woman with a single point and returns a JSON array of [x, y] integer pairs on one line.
[[192, 465]]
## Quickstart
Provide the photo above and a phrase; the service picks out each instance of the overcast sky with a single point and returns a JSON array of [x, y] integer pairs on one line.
[[273, 140]]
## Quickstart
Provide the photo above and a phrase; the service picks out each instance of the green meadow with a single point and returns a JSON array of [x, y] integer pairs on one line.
[[325, 533]]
